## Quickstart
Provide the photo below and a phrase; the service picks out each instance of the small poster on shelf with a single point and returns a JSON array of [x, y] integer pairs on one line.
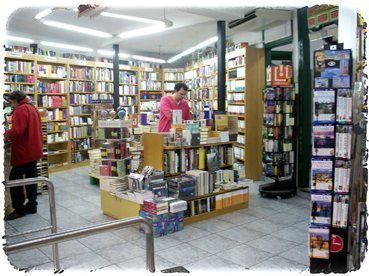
[[319, 243], [322, 175], [321, 209], [323, 140], [324, 106]]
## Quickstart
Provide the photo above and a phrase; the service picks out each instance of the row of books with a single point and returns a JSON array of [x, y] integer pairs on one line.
[[115, 150], [104, 74], [115, 168], [127, 89], [14, 66], [173, 76], [278, 157], [236, 109], [150, 76], [279, 119], [56, 126], [57, 137], [239, 152], [237, 73], [54, 87], [241, 125], [80, 131], [19, 78], [278, 107], [81, 86], [235, 85], [51, 71], [280, 170], [79, 110], [127, 100], [81, 144], [279, 94], [103, 87], [28, 88], [150, 85], [52, 101], [236, 97], [113, 133], [278, 132], [80, 98], [149, 105], [57, 114], [127, 77], [237, 61], [84, 73], [150, 96], [200, 94], [272, 145], [77, 157], [241, 139]]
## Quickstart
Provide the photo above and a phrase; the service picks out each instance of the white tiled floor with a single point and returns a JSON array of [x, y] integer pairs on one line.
[[270, 235]]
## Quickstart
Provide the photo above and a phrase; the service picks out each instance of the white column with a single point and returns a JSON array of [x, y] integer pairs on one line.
[[347, 25]]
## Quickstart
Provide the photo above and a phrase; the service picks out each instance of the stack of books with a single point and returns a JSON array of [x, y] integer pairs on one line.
[[204, 134], [155, 207], [95, 161]]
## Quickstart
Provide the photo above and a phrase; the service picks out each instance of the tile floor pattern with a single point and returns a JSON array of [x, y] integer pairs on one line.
[[270, 235]]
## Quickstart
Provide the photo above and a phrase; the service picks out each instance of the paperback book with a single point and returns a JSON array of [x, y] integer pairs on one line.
[[342, 173], [323, 140], [324, 106], [319, 243], [343, 141], [344, 105], [322, 175], [340, 210], [321, 209]]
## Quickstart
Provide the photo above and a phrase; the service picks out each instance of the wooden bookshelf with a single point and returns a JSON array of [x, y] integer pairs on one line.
[[128, 89], [245, 80]]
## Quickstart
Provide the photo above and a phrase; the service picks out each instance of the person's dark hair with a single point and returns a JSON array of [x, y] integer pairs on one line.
[[180, 85], [17, 96]]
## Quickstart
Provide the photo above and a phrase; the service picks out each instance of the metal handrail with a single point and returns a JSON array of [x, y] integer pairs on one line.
[[51, 192], [90, 230]]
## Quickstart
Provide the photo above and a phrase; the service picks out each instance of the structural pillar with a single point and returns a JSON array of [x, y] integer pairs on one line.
[[116, 76], [221, 50]]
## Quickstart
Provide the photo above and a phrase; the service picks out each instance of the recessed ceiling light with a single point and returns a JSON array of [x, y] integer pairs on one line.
[[132, 18], [20, 39], [74, 28], [66, 46]]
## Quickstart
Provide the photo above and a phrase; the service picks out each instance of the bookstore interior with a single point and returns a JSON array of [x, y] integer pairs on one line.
[[267, 174]]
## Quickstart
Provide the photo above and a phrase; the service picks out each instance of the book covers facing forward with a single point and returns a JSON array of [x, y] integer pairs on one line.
[[318, 243]]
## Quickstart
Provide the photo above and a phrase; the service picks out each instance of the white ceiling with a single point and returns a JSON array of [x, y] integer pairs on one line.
[[190, 27]]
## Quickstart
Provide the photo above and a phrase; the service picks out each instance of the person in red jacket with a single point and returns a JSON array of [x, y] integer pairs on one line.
[[25, 136], [170, 102]]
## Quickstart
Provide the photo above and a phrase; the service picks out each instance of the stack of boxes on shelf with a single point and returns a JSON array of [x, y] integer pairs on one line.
[[331, 160]]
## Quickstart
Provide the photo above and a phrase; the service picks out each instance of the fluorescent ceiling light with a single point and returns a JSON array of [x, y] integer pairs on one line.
[[149, 59], [75, 9], [20, 39], [111, 53], [132, 18], [76, 28], [143, 31], [43, 13], [193, 49], [66, 46]]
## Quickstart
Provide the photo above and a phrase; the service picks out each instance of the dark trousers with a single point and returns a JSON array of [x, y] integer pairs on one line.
[[27, 170]]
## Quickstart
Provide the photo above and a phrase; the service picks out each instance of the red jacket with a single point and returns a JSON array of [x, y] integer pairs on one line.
[[25, 134]]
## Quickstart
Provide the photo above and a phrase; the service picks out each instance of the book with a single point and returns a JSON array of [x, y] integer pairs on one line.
[[321, 209], [319, 243], [343, 141], [342, 173], [322, 175], [323, 140], [324, 106], [340, 211], [344, 105]]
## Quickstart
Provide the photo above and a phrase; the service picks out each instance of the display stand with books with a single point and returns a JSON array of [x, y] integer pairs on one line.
[[279, 133], [337, 191]]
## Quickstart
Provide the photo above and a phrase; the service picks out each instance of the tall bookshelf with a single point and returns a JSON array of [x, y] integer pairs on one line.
[[201, 79], [81, 92], [245, 78], [51, 90], [150, 91], [128, 89]]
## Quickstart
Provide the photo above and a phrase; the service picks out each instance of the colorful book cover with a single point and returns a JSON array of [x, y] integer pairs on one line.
[[323, 140], [321, 209], [324, 106], [319, 243], [322, 175]]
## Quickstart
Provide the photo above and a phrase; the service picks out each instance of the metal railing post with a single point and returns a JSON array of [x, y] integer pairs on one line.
[[51, 192], [90, 230]]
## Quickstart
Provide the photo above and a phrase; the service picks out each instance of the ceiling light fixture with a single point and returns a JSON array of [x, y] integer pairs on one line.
[[143, 31], [43, 13], [20, 39], [149, 59], [66, 46], [111, 53], [74, 28], [133, 18], [193, 49]]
